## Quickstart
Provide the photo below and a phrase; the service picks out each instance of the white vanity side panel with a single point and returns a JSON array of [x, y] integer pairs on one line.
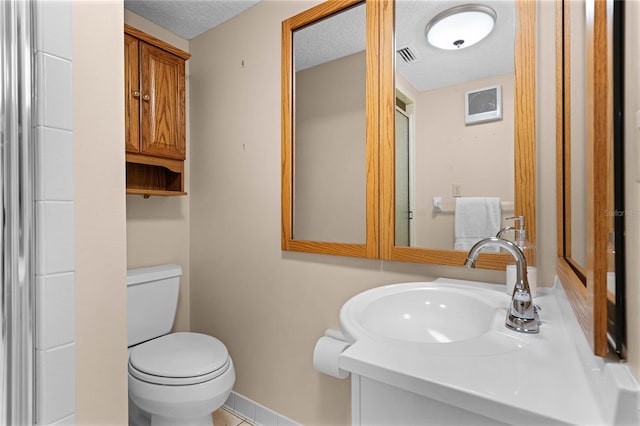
[[355, 399], [382, 404], [55, 358]]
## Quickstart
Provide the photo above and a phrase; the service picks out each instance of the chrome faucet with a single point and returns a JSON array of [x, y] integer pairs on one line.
[[522, 315]]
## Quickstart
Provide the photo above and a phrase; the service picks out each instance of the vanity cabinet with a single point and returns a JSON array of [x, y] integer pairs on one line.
[[377, 403], [155, 140]]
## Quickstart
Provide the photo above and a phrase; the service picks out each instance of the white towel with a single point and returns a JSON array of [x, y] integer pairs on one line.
[[476, 218]]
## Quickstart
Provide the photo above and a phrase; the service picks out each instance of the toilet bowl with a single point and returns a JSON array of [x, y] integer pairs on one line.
[[180, 378], [173, 378]]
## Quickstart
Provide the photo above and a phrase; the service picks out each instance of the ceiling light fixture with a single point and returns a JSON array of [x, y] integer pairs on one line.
[[460, 26]]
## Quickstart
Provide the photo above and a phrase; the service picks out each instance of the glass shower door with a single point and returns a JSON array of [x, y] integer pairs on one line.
[[17, 59]]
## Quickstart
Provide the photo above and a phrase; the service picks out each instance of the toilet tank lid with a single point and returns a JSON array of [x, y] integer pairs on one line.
[[152, 273]]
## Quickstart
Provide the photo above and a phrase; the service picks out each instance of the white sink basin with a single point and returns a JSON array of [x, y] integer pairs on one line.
[[423, 312]]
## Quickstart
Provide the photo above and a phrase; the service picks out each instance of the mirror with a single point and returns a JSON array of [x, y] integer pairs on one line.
[[590, 178], [575, 136], [437, 147], [330, 130], [435, 152], [311, 210]]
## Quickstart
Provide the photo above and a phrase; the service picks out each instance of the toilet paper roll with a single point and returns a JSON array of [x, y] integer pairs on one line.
[[326, 354]]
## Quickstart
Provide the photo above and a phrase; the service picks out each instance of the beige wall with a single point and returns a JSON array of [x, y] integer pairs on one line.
[[546, 229], [478, 157], [330, 135], [100, 213], [632, 188], [269, 306], [158, 227]]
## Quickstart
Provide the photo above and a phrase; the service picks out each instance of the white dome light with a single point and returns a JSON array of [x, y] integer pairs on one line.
[[460, 26]]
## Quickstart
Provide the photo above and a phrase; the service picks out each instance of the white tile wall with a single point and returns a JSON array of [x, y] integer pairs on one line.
[[265, 417], [67, 421], [246, 407], [55, 289], [54, 164], [54, 237], [56, 313], [55, 377], [55, 29], [255, 413], [55, 100]]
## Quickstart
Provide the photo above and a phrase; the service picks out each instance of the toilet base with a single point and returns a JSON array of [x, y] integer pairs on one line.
[[191, 405], [139, 417], [164, 421]]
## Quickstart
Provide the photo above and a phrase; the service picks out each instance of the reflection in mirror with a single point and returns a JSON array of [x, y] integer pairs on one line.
[[329, 199], [495, 141], [440, 155], [576, 137], [404, 172]]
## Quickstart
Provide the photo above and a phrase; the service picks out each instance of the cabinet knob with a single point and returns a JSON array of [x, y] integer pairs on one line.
[[136, 94], [146, 97]]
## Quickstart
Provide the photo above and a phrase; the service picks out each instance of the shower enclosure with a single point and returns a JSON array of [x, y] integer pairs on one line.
[[17, 144]]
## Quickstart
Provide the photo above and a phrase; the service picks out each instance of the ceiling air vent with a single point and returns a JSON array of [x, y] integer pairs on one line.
[[408, 54]]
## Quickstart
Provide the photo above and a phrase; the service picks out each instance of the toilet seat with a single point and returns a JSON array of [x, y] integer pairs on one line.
[[179, 359]]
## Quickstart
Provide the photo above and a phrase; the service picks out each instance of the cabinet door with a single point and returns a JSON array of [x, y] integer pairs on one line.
[[132, 93], [163, 103]]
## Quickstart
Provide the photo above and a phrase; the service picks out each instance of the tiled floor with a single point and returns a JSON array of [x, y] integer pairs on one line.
[[222, 417]]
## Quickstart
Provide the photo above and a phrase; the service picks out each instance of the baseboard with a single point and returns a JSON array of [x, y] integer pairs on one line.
[[255, 413]]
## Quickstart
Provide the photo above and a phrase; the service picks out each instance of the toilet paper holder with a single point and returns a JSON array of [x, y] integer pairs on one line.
[[327, 351]]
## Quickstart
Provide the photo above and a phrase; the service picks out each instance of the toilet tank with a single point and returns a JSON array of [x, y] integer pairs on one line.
[[152, 298]]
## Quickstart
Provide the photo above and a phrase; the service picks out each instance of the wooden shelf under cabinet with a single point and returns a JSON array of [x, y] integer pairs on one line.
[[149, 192], [154, 176]]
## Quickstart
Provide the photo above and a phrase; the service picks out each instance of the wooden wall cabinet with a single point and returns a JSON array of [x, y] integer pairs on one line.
[[155, 130]]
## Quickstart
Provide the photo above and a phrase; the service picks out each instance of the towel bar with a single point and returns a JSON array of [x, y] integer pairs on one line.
[[440, 206]]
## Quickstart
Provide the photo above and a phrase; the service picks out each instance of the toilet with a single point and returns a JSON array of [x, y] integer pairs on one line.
[[174, 378]]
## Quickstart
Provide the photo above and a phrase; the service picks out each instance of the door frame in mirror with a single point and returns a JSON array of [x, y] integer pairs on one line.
[[524, 137], [370, 248]]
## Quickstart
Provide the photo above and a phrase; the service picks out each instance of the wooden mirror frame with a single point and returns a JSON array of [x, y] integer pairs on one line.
[[370, 249], [380, 135], [524, 139], [587, 291]]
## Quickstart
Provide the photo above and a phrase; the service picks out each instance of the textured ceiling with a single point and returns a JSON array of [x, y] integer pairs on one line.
[[332, 38], [344, 34], [438, 68], [188, 18]]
